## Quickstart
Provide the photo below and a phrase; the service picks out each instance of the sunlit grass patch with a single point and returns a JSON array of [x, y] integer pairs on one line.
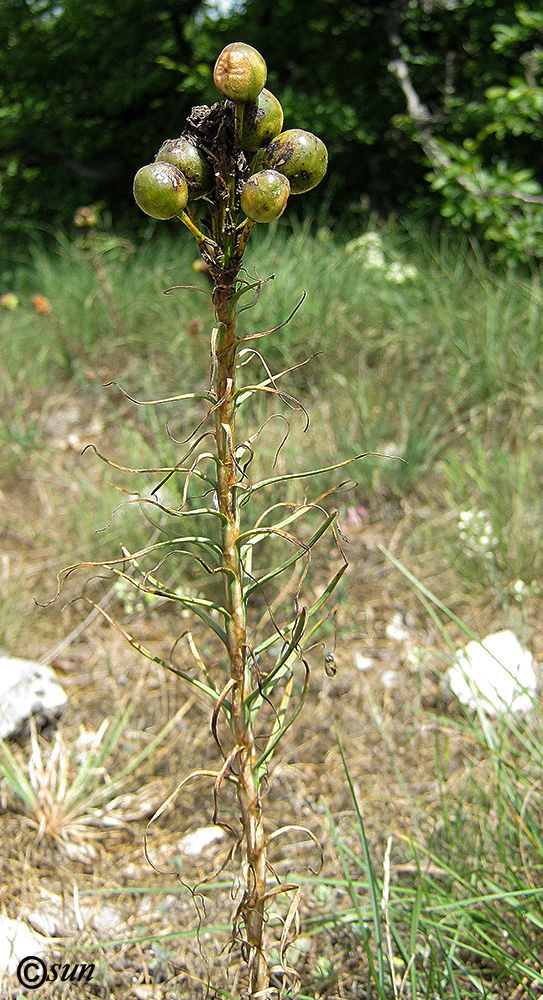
[[442, 370], [69, 794]]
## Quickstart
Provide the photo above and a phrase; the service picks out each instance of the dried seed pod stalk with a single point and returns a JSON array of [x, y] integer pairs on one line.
[[218, 134], [256, 698]]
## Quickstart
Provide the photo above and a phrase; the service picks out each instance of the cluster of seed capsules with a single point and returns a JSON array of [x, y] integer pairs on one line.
[[283, 163]]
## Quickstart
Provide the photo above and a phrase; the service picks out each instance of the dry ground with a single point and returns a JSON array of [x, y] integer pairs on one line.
[[385, 716]]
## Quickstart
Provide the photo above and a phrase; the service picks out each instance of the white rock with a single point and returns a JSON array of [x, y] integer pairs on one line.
[[389, 679], [107, 920], [396, 629], [496, 675], [49, 919], [147, 991], [196, 842], [27, 688], [363, 662], [54, 918], [17, 941]]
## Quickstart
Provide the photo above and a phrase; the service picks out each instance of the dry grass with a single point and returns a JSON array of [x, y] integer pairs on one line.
[[386, 718], [395, 720], [387, 738]]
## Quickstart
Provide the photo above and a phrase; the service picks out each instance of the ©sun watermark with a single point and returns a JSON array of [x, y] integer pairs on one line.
[[33, 972]]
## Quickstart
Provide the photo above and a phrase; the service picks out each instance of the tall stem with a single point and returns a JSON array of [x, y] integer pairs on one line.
[[252, 909]]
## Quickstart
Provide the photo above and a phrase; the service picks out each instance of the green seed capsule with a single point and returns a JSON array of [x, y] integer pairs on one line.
[[262, 121], [300, 156], [240, 72], [191, 162], [160, 190], [265, 195]]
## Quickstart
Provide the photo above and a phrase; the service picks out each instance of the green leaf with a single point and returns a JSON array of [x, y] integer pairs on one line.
[[293, 558], [372, 881], [16, 777], [306, 475], [279, 730]]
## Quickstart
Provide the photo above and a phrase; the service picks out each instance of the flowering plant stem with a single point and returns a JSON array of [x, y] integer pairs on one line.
[[247, 786], [218, 175], [247, 689]]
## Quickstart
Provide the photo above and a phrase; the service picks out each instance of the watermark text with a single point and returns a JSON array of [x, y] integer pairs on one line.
[[33, 972]]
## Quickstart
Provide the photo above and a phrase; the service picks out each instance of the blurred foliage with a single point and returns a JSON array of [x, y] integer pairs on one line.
[[89, 92], [490, 178], [86, 90]]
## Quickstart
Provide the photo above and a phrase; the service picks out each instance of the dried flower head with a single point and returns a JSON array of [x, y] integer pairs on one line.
[[42, 305]]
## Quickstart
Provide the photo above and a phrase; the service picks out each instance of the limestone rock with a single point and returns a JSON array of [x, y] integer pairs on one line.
[[27, 689], [17, 941], [495, 675], [196, 842]]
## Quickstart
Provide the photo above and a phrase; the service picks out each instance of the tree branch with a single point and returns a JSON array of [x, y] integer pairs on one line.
[[421, 117]]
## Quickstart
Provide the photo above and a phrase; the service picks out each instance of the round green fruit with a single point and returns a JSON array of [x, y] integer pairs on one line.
[[240, 72], [265, 195], [262, 121], [191, 162], [160, 190], [300, 156]]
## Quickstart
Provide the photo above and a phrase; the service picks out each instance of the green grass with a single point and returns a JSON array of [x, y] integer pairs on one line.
[[467, 920], [457, 918], [444, 371]]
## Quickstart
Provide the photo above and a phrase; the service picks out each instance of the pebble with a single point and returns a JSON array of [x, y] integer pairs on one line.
[[54, 918], [396, 629], [27, 689], [17, 941], [196, 842], [363, 662], [496, 675]]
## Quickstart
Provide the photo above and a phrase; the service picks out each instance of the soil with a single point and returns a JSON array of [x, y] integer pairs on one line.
[[112, 898]]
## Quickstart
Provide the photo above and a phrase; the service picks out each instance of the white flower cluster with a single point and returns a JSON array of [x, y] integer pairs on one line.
[[131, 598], [391, 450], [477, 533], [521, 590], [398, 273], [368, 249]]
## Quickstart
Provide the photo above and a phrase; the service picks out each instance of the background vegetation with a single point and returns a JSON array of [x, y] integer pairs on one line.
[[431, 104], [428, 345], [424, 353]]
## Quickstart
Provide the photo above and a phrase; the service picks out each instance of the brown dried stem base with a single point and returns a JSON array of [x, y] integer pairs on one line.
[[216, 130], [251, 910]]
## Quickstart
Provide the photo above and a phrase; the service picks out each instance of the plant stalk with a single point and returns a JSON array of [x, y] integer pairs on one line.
[[252, 906]]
